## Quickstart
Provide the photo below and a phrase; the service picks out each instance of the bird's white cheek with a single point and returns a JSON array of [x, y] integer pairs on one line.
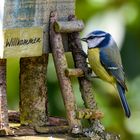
[[95, 42]]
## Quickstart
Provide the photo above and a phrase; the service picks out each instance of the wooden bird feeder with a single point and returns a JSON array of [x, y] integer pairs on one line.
[[32, 30]]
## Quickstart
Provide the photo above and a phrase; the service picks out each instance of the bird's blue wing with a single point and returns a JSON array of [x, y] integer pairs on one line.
[[111, 60]]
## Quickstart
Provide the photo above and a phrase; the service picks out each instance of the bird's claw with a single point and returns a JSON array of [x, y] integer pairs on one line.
[[83, 54], [89, 74]]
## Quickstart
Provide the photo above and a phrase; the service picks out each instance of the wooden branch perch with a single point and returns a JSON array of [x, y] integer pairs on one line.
[[80, 62], [65, 83], [52, 129], [89, 114], [54, 125], [68, 26], [74, 72], [14, 116]]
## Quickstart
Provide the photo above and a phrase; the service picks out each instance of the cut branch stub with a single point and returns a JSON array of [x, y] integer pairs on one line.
[[89, 114], [69, 26], [74, 72]]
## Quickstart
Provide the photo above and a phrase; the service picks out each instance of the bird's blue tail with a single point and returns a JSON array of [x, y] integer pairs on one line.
[[121, 91]]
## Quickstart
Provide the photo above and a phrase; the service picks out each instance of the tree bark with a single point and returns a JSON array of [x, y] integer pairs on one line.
[[3, 100]]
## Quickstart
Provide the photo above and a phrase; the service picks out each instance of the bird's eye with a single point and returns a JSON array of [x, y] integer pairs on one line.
[[90, 37]]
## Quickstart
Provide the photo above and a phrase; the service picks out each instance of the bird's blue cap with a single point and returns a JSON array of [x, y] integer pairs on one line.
[[98, 33]]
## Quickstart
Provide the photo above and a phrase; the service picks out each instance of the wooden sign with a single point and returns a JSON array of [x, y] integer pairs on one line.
[[23, 42], [30, 13]]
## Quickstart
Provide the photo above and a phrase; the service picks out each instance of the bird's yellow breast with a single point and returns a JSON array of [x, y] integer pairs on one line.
[[99, 70]]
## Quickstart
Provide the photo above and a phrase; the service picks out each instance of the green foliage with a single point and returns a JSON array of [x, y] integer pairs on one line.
[[13, 82]]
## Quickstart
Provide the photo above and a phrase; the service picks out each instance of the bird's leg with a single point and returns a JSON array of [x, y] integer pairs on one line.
[[94, 76]]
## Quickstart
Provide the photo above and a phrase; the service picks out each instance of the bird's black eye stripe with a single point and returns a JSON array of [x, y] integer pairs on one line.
[[90, 37]]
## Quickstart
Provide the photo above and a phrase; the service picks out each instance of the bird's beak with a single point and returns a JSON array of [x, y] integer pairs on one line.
[[84, 39]]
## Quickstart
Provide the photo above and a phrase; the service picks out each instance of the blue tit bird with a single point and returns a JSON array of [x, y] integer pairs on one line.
[[105, 60]]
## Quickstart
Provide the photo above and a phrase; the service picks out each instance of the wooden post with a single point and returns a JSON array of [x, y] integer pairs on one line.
[[33, 91], [4, 126]]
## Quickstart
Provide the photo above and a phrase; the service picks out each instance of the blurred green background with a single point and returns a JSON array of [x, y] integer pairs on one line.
[[121, 18]]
